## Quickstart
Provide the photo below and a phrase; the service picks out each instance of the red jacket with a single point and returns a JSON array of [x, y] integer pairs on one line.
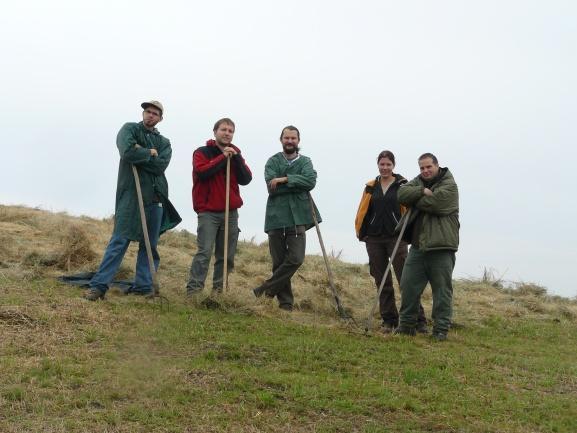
[[209, 178]]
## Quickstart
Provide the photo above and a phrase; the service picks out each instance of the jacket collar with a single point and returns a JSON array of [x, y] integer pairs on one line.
[[442, 172], [398, 180], [212, 143]]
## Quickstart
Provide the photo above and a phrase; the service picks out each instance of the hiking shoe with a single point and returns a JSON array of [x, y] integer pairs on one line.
[[404, 331], [387, 328], [422, 328], [94, 294], [439, 336]]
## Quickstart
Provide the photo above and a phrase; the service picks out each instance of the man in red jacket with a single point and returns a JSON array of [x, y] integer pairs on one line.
[[208, 200]]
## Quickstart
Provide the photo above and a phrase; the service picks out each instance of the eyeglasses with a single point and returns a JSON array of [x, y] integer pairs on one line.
[[153, 112]]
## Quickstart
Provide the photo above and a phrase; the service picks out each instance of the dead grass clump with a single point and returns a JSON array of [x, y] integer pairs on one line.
[[182, 239], [75, 249], [39, 259], [205, 380], [567, 313], [490, 278], [534, 305], [531, 289], [305, 305], [16, 318], [252, 254], [476, 284], [471, 285], [19, 214], [514, 311]]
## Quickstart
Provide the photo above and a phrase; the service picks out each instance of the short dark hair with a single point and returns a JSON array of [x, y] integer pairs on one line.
[[429, 155], [290, 128], [386, 154], [221, 121]]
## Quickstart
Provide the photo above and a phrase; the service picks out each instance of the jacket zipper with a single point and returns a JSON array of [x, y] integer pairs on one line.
[[373, 219]]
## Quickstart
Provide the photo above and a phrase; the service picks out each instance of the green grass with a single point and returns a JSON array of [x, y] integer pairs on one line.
[[67, 365], [124, 366]]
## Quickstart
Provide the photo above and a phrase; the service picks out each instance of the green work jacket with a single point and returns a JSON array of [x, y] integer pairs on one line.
[[439, 213], [134, 142], [289, 204]]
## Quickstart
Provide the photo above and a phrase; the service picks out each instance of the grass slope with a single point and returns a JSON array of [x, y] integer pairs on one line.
[[123, 365]]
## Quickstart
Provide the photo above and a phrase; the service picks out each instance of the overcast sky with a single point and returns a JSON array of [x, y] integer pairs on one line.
[[490, 87]]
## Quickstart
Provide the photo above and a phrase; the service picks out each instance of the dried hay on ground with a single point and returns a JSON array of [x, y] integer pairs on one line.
[[75, 248], [39, 243]]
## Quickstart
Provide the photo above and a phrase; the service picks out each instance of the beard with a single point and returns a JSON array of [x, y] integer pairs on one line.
[[289, 150]]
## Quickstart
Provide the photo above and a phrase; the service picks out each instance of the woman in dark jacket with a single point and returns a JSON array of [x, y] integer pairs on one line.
[[378, 215]]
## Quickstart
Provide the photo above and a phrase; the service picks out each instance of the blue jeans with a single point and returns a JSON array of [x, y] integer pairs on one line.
[[116, 249]]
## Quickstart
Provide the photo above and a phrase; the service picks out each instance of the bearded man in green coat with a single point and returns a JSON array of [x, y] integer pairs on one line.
[[289, 177], [139, 144], [433, 231]]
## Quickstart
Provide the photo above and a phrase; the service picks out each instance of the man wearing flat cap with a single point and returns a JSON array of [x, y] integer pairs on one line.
[[139, 144]]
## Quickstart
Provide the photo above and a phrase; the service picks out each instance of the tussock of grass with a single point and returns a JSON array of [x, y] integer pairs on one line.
[[531, 289], [75, 249], [16, 318]]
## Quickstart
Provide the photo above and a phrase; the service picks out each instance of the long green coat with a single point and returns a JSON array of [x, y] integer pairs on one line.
[[439, 212], [288, 205], [134, 142]]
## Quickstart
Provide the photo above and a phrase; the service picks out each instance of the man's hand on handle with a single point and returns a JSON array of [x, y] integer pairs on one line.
[[229, 152]]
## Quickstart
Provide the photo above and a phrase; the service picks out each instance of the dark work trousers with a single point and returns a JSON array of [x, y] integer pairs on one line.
[[287, 249], [379, 251], [422, 267]]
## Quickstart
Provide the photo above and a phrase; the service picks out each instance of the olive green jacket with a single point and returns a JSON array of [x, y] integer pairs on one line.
[[134, 142], [439, 213], [289, 204]]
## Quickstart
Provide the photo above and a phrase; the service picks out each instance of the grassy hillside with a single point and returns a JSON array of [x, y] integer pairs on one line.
[[124, 365]]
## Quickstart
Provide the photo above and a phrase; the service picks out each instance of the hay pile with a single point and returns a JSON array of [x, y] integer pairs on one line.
[[75, 249]]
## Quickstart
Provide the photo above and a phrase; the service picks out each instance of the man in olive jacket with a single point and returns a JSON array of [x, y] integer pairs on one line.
[[433, 231], [139, 144], [289, 177]]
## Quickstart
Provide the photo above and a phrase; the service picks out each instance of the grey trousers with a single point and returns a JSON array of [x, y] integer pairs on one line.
[[287, 249], [210, 234]]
